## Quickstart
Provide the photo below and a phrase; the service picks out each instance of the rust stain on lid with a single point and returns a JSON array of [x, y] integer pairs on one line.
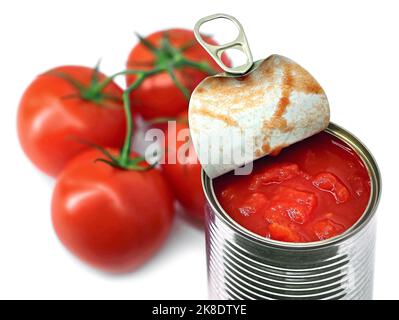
[[211, 114]]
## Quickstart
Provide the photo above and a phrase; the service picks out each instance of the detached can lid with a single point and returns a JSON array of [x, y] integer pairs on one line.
[[252, 110]]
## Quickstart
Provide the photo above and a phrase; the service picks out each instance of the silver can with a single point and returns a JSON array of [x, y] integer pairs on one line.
[[243, 265]]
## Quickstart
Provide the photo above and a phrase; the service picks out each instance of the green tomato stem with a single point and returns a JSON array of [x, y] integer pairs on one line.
[[202, 66], [103, 84], [125, 152], [168, 59], [124, 157]]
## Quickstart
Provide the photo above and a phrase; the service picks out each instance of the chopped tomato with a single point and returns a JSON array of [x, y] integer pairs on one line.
[[325, 229], [299, 195], [228, 194], [275, 174], [358, 185], [293, 204], [255, 202], [326, 181], [280, 232]]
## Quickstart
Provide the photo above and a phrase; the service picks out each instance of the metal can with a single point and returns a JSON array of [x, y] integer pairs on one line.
[[243, 265]]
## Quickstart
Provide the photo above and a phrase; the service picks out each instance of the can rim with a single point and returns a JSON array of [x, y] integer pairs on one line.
[[368, 214]]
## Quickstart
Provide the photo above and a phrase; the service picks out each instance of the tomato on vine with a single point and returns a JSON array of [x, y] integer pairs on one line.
[[113, 219], [67, 106], [112, 209], [181, 63]]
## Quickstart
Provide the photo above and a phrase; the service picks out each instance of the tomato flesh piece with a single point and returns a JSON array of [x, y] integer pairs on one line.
[[247, 213], [228, 194], [255, 202], [293, 204], [326, 229], [326, 181], [275, 174], [280, 232]]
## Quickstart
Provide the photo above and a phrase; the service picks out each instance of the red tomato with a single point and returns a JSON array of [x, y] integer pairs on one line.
[[53, 116], [184, 178], [158, 95], [111, 218]]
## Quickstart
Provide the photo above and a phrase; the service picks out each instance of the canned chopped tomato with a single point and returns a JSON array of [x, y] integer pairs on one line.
[[313, 190], [302, 224]]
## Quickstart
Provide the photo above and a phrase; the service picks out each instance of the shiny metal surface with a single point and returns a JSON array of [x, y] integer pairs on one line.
[[243, 265], [216, 51]]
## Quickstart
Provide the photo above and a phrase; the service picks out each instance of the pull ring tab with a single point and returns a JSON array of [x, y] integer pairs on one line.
[[216, 51]]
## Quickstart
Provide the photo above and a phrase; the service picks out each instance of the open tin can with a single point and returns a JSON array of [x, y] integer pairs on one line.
[[242, 264]]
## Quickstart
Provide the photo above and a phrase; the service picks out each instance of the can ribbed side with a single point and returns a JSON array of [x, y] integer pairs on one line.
[[240, 268]]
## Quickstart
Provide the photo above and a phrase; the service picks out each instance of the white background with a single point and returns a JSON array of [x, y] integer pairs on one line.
[[351, 47]]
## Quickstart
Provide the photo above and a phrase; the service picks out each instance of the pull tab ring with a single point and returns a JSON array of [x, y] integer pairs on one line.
[[216, 51]]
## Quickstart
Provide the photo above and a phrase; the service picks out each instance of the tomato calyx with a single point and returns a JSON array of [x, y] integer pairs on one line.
[[136, 164], [93, 92], [169, 58]]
